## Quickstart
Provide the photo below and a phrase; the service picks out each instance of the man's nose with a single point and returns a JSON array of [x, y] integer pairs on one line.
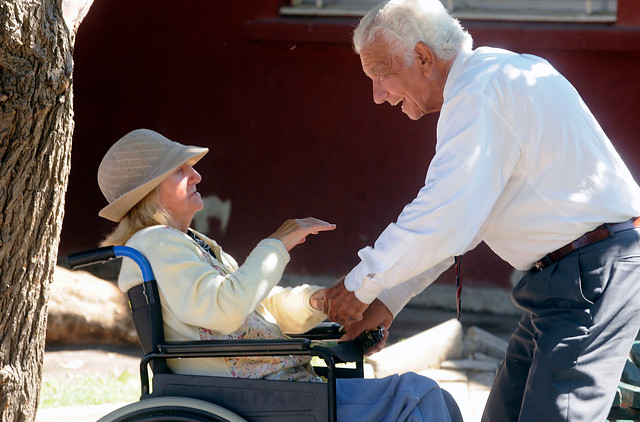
[[379, 93]]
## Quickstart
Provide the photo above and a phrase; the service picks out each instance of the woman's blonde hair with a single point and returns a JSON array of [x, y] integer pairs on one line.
[[146, 213]]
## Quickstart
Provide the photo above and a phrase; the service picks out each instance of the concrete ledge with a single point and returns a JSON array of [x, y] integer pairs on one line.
[[421, 351], [474, 299]]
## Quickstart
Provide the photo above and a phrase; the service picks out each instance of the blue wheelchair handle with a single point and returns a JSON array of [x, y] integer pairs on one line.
[[107, 253]]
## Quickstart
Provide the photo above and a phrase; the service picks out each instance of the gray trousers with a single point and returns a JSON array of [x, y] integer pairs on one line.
[[581, 316]]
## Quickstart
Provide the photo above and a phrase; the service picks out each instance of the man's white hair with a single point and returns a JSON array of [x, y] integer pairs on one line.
[[404, 23]]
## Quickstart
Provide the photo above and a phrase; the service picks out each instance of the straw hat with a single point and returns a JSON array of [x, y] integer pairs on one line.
[[135, 165]]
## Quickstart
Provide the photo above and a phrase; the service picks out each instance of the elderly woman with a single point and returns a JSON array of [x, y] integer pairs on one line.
[[151, 186]]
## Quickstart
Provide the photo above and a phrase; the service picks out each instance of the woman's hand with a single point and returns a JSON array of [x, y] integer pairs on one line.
[[317, 299], [295, 232]]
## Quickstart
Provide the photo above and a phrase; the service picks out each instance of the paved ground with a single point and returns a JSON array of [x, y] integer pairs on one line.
[[469, 391]]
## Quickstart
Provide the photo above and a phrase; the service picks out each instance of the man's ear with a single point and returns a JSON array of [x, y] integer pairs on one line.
[[426, 57]]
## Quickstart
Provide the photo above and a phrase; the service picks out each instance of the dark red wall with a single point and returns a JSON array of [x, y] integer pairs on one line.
[[288, 115]]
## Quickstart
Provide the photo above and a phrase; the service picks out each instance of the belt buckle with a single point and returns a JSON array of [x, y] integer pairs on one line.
[[543, 263]]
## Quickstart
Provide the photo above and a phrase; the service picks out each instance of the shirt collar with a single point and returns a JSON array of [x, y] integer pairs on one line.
[[456, 69]]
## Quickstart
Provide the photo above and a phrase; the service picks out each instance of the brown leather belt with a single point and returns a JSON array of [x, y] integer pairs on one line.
[[596, 235]]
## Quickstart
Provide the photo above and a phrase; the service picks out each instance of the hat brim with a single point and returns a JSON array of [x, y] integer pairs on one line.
[[117, 209]]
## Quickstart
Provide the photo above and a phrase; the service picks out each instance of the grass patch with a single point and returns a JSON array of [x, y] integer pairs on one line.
[[90, 389]]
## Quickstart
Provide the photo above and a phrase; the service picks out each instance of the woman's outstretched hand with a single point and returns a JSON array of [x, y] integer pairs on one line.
[[295, 232]]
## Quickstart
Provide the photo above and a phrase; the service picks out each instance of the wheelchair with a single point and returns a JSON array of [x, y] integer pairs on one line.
[[190, 398]]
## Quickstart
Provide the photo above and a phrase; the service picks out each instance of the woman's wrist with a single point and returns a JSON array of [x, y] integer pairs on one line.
[[316, 300]]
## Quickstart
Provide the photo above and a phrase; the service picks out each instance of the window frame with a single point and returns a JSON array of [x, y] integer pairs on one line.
[[575, 10]]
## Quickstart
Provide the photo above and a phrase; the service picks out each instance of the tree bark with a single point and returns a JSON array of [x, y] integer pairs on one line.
[[36, 125]]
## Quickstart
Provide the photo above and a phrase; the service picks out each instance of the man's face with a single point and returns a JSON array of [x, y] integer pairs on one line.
[[411, 85]]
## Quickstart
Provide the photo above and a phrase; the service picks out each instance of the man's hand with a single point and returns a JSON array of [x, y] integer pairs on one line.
[[341, 305], [376, 315]]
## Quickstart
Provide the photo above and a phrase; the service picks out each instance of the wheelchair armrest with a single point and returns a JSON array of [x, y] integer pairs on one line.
[[220, 348], [323, 331], [344, 352], [348, 351], [226, 348]]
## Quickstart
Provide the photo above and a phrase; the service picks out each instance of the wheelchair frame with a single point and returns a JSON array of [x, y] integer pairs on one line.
[[256, 400]]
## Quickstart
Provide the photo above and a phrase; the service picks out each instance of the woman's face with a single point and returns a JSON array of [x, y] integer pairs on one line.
[[180, 197]]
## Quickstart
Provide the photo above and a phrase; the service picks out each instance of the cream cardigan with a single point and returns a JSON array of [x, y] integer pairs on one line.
[[205, 297]]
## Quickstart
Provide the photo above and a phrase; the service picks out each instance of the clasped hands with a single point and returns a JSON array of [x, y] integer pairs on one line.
[[343, 307], [340, 304]]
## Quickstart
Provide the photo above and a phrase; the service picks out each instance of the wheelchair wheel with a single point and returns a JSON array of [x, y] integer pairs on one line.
[[174, 409]]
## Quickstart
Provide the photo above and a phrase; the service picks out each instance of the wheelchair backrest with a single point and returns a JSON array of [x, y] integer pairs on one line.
[[144, 299], [146, 310]]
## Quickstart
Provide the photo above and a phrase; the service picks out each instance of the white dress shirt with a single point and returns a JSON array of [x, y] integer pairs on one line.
[[520, 163]]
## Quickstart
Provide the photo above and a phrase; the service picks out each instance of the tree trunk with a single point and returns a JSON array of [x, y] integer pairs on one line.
[[36, 124]]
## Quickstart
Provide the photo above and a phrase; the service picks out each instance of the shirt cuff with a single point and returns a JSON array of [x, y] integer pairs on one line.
[[353, 280], [362, 284]]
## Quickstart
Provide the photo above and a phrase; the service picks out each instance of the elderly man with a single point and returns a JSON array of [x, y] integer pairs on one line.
[[521, 164]]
